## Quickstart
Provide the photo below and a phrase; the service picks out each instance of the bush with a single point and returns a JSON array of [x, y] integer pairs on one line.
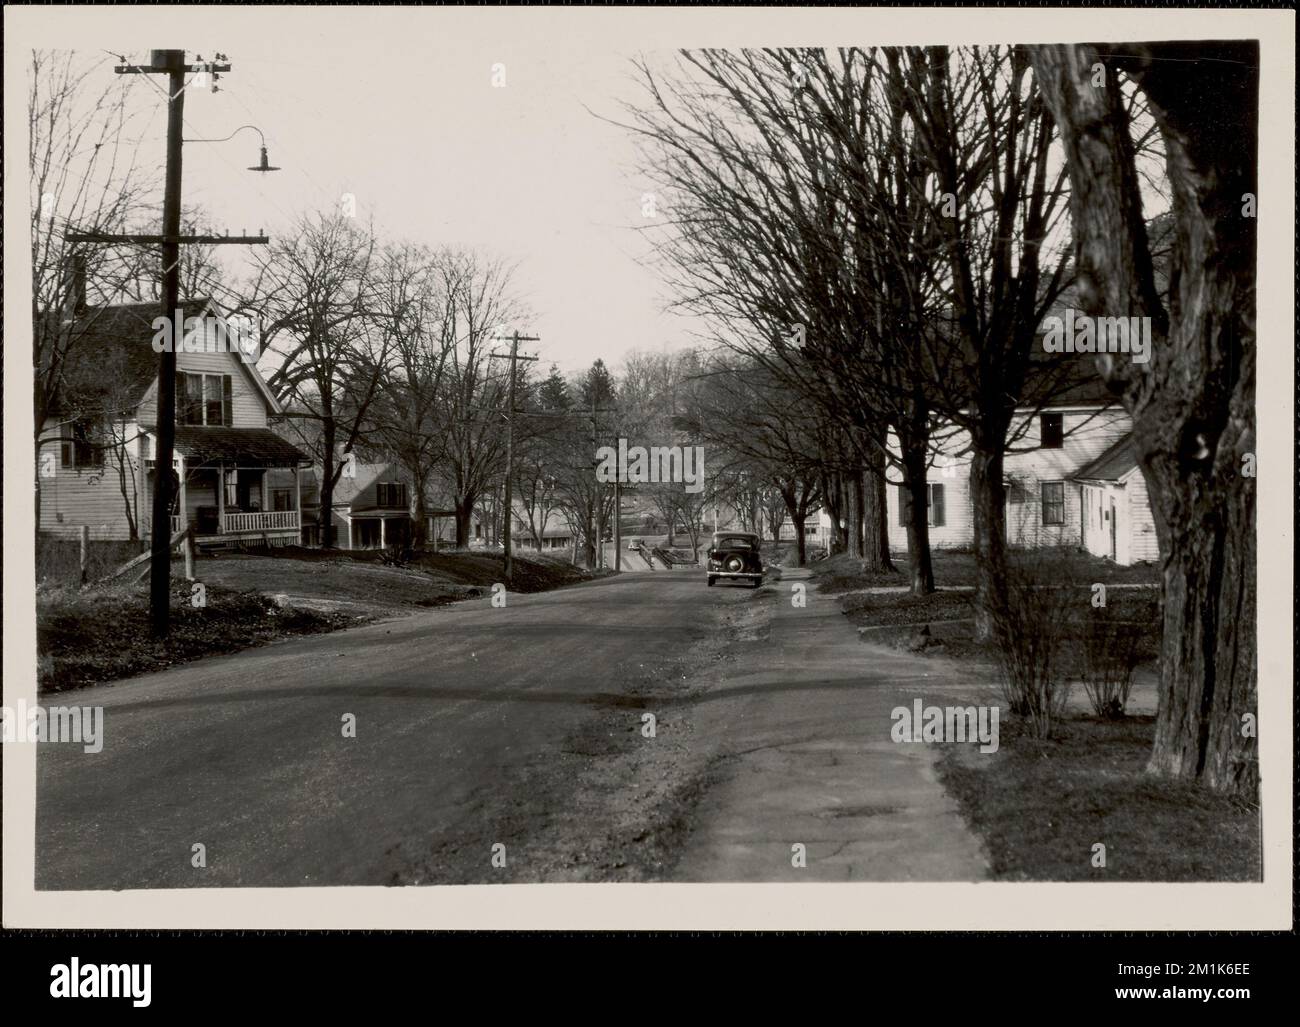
[[398, 554], [1111, 650], [1032, 623]]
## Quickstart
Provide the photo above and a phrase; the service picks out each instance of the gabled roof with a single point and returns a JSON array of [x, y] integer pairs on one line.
[[1113, 465], [113, 359], [1067, 380], [346, 490], [251, 373]]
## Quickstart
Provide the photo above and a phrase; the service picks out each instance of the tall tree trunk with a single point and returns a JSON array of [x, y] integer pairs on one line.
[[919, 565], [853, 513], [589, 543], [419, 533], [1193, 403], [875, 516], [326, 513], [989, 530], [464, 511], [861, 530], [833, 498]]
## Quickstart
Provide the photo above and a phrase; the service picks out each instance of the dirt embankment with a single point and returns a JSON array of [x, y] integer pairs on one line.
[[101, 633]]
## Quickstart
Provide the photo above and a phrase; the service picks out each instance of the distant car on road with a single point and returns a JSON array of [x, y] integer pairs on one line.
[[735, 555]]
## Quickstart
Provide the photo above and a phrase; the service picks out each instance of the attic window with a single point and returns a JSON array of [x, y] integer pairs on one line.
[[203, 399], [1051, 431]]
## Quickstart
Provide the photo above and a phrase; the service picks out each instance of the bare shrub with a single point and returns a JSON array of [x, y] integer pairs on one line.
[[1033, 620], [1110, 651]]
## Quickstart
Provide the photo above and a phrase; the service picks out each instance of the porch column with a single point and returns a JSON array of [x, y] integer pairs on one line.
[[382, 522], [349, 532], [297, 500], [221, 497]]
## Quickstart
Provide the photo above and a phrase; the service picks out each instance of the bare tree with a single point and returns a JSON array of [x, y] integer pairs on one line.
[[768, 432], [985, 135], [414, 298], [471, 427], [1193, 402], [316, 291], [756, 244], [871, 224], [83, 175]]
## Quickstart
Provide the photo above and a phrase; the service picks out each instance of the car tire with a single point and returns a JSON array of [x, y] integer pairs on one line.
[[734, 564], [712, 580]]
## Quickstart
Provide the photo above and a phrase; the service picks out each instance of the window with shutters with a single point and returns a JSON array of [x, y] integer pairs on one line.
[[934, 500], [203, 399], [934, 505], [281, 499], [1053, 493]]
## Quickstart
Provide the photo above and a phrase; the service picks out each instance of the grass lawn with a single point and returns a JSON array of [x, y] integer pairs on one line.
[[894, 618], [1040, 807], [359, 581], [953, 568]]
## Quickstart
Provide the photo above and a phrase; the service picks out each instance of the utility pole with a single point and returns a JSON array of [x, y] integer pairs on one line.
[[600, 520], [618, 511], [172, 64], [600, 499], [515, 340]]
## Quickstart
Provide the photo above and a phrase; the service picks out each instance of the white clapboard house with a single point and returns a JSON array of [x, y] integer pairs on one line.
[[96, 462], [1071, 479]]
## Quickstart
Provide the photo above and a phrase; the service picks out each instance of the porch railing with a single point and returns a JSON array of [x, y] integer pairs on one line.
[[275, 520], [241, 523]]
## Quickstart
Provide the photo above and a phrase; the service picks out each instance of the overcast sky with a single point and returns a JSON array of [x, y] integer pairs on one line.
[[397, 107], [437, 154]]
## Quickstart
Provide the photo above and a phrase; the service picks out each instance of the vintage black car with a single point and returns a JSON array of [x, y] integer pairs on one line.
[[735, 555]]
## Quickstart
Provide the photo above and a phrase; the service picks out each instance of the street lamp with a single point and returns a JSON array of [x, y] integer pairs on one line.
[[262, 165]]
